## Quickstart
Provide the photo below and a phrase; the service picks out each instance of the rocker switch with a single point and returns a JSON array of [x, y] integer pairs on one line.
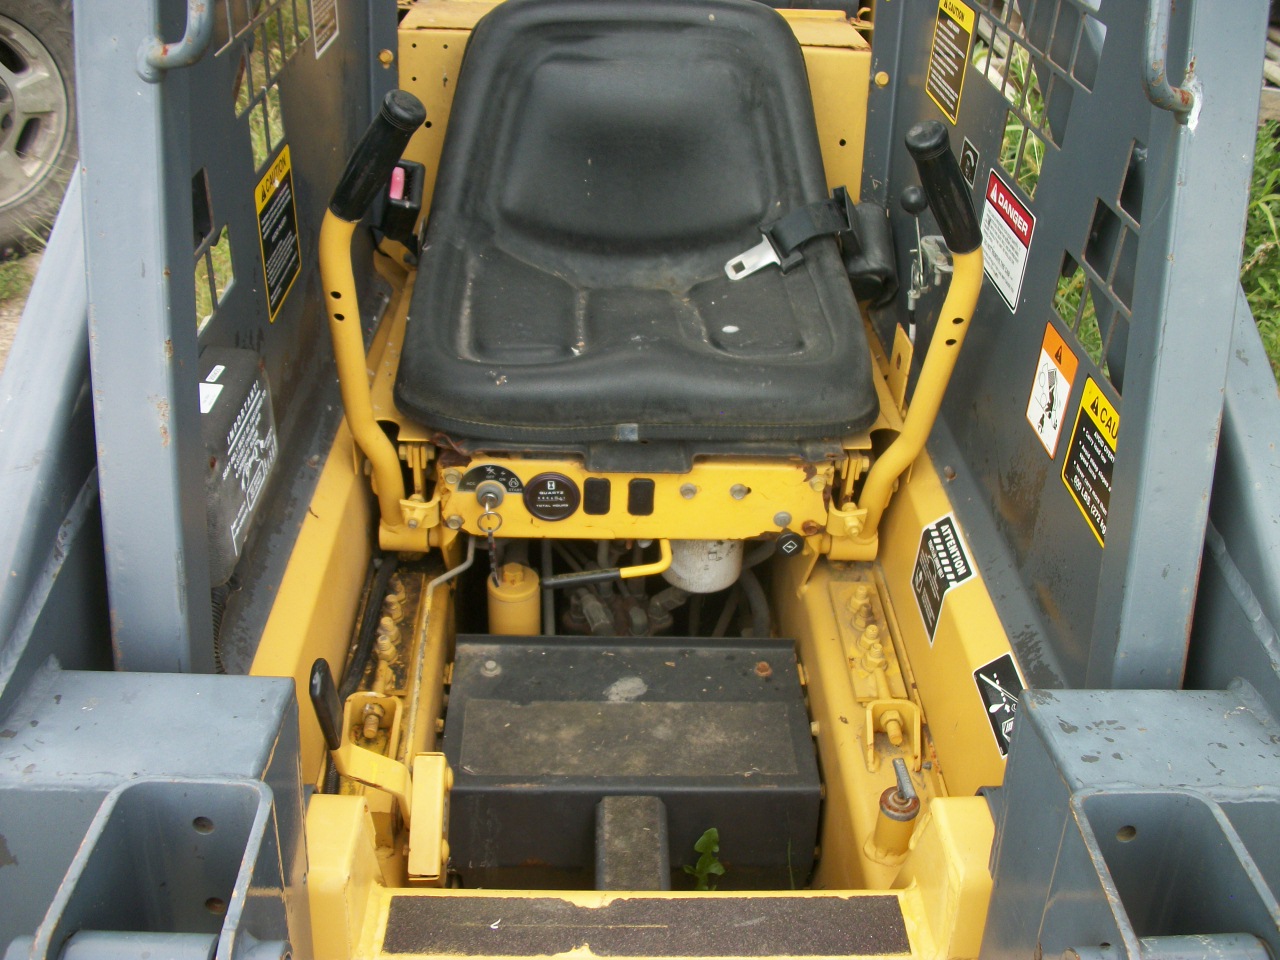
[[640, 497], [596, 496]]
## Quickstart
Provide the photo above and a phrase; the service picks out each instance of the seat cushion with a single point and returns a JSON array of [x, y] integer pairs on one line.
[[604, 160]]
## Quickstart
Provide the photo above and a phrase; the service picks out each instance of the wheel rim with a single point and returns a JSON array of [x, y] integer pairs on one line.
[[34, 113]]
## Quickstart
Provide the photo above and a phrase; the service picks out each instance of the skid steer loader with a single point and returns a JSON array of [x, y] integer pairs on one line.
[[645, 478]]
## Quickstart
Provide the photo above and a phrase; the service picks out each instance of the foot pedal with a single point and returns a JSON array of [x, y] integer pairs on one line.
[[631, 844]]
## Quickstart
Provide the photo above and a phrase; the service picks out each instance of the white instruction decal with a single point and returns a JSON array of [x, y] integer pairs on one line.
[[209, 396], [324, 24], [1007, 226], [251, 452]]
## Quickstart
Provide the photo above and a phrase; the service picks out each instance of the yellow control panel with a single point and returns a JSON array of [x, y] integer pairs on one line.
[[718, 499]]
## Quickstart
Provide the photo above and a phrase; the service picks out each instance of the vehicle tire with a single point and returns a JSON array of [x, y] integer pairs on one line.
[[37, 118]]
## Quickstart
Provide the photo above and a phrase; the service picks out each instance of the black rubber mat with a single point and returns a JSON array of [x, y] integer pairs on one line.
[[680, 927]]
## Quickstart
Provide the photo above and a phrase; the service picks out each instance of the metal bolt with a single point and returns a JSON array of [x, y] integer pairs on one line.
[[782, 519], [490, 668], [906, 790], [413, 523], [817, 483], [453, 522], [738, 491], [386, 649], [688, 491], [386, 57], [453, 477], [882, 78], [372, 715]]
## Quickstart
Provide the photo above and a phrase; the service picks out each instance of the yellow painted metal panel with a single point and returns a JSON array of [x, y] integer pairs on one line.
[[968, 636], [838, 60], [711, 513], [428, 849], [948, 868], [342, 873], [316, 600]]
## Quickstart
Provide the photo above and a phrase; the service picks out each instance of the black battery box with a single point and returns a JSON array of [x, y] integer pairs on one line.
[[539, 730]]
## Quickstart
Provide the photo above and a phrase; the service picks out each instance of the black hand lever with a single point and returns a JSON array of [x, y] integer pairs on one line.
[[376, 154], [948, 194], [324, 698]]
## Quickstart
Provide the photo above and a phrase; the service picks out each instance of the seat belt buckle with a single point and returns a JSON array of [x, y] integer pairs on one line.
[[762, 255], [781, 239]]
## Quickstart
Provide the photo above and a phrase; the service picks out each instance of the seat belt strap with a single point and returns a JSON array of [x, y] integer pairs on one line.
[[781, 241]]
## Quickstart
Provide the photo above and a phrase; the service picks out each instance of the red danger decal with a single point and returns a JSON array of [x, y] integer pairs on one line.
[[1010, 208]]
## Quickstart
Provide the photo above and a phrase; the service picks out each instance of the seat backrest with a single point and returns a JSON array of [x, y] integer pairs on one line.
[[615, 139]]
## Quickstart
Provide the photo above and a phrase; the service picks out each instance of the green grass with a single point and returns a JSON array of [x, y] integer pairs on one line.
[[15, 280], [1260, 270]]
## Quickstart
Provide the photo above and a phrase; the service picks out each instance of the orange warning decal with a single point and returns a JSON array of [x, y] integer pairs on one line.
[[1051, 388]]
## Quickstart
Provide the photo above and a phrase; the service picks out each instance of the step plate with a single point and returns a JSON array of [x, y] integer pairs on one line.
[[537, 733], [702, 926]]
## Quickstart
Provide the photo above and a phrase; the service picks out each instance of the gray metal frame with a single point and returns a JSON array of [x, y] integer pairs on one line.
[[141, 342], [1113, 842], [143, 337], [53, 596], [1081, 614], [107, 780]]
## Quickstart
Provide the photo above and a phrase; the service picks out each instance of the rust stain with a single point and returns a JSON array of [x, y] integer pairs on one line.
[[162, 410]]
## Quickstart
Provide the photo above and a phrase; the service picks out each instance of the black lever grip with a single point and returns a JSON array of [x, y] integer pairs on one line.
[[376, 154], [324, 698], [944, 185], [913, 200]]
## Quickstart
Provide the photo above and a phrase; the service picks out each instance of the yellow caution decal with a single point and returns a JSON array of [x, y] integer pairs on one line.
[[1091, 457], [278, 231], [952, 31]]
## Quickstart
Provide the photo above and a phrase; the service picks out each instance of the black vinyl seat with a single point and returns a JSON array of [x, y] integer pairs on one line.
[[604, 160]]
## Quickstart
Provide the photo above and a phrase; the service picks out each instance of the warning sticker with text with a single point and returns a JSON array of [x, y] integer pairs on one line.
[[278, 231], [951, 34], [941, 563], [324, 24], [1091, 457], [1007, 227], [1055, 371], [1000, 687]]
